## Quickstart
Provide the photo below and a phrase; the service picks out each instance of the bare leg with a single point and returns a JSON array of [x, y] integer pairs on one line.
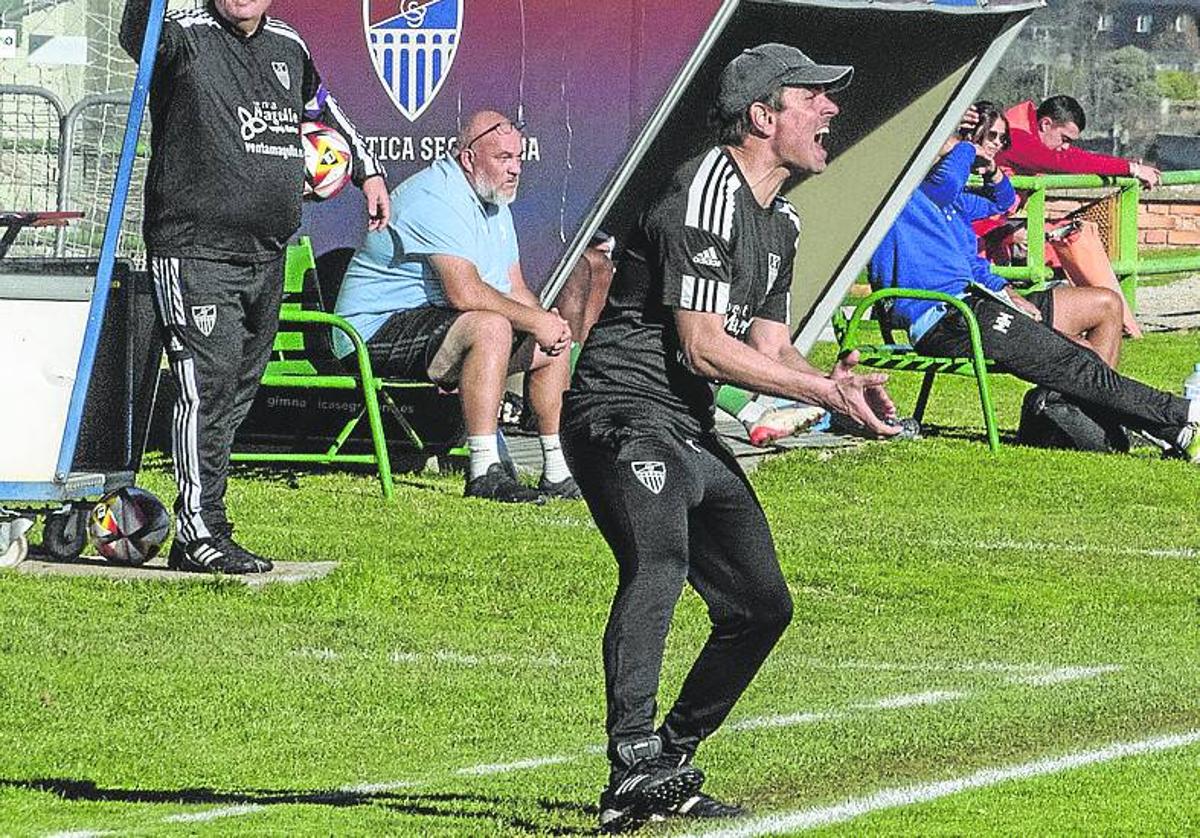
[[475, 355], [547, 377], [583, 295], [1091, 316]]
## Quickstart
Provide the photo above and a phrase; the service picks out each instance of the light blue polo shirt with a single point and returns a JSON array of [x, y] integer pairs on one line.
[[434, 211]]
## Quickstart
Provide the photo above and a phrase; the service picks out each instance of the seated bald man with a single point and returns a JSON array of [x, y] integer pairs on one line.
[[439, 295]]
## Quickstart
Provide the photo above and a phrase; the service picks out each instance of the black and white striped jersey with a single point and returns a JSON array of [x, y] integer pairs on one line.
[[226, 169], [704, 245]]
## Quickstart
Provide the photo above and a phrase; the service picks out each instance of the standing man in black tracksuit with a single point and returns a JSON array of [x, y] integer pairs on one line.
[[700, 296], [223, 192]]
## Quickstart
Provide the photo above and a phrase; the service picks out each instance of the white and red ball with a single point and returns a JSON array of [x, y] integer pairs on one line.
[[129, 526], [328, 163]]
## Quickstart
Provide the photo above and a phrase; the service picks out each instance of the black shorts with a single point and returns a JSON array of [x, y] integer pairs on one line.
[[405, 345]]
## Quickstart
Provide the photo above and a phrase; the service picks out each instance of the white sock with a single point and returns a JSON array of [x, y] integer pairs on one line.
[[554, 468], [1194, 410], [485, 450]]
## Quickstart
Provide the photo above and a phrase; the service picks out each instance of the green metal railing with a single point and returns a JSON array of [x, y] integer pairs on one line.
[[1127, 264]]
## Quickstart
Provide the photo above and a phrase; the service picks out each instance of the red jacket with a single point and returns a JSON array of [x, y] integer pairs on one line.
[[1029, 156]]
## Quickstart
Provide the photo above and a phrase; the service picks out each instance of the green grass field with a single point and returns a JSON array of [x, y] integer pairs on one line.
[[961, 618]]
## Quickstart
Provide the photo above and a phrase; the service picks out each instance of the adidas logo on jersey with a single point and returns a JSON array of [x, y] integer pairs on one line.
[[708, 257]]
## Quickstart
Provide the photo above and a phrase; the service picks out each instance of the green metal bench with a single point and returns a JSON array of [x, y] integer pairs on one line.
[[893, 356], [294, 363]]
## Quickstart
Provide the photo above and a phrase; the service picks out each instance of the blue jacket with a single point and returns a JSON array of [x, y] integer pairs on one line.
[[932, 246]]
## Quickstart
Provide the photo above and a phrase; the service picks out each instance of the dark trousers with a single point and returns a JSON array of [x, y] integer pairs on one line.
[[1037, 353], [674, 508], [218, 321]]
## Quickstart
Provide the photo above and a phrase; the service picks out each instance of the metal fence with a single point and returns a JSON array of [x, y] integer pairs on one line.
[[52, 158]]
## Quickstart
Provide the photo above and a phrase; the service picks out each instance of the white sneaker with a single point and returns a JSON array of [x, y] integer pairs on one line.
[[779, 422]]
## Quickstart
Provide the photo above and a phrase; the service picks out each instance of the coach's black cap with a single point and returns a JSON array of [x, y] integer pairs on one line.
[[750, 75]]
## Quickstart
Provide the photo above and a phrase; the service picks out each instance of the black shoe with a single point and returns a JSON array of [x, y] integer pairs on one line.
[[204, 555], [650, 786], [227, 545], [497, 484], [567, 489], [706, 807]]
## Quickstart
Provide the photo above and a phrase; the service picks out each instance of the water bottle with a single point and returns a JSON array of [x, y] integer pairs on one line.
[[1191, 384]]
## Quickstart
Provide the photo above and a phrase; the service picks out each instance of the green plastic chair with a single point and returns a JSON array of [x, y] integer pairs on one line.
[[295, 363], [893, 355]]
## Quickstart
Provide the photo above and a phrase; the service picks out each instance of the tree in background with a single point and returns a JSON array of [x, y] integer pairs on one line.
[[1178, 85], [1122, 97]]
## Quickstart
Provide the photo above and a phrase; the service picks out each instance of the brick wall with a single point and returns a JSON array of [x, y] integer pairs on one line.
[[1161, 222]]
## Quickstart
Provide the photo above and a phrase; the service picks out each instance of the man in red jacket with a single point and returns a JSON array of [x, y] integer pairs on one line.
[[1043, 142]]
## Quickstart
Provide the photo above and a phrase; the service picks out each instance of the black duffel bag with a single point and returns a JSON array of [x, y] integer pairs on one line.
[[1051, 420]]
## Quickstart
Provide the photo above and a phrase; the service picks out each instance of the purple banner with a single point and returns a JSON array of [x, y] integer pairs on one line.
[[585, 76]]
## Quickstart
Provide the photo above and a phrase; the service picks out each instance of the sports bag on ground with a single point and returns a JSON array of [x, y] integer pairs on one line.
[[1051, 420]]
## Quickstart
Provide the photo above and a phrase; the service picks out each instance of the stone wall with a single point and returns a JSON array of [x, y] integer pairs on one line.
[[1162, 222]]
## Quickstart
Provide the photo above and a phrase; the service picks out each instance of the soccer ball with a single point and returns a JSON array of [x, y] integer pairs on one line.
[[327, 161], [129, 526]]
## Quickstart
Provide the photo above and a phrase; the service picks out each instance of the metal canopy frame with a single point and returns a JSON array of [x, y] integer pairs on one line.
[[908, 137]]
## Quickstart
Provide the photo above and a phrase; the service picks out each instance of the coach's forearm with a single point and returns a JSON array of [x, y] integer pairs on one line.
[[719, 357]]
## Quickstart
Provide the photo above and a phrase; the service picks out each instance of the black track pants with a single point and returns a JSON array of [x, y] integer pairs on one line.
[[1035, 352], [672, 509], [219, 321]]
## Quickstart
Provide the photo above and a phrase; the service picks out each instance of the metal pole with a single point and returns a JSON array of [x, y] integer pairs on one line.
[[108, 252]]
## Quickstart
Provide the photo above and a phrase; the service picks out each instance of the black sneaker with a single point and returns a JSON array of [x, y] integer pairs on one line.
[[227, 545], [567, 489], [650, 786], [704, 806], [499, 485], [205, 556]]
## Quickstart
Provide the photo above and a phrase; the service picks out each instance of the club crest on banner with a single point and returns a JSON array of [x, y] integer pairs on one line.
[[412, 45]]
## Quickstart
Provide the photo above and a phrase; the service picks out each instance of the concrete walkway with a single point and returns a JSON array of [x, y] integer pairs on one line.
[[156, 571]]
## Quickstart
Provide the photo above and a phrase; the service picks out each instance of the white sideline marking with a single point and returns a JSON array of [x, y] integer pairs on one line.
[[925, 792], [893, 702], [517, 765], [441, 656], [1063, 675], [972, 667], [1051, 547], [1042, 675], [82, 833], [915, 700], [378, 788], [213, 814], [789, 720]]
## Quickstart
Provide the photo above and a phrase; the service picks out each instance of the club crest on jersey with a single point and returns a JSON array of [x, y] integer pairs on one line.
[[412, 45], [650, 473], [205, 318], [282, 73], [773, 262]]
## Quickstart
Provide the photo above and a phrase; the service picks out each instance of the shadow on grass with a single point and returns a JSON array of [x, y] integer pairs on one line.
[[451, 806]]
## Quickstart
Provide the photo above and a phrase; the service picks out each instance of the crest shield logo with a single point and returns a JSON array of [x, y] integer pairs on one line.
[[282, 73], [412, 45], [205, 318], [650, 473]]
